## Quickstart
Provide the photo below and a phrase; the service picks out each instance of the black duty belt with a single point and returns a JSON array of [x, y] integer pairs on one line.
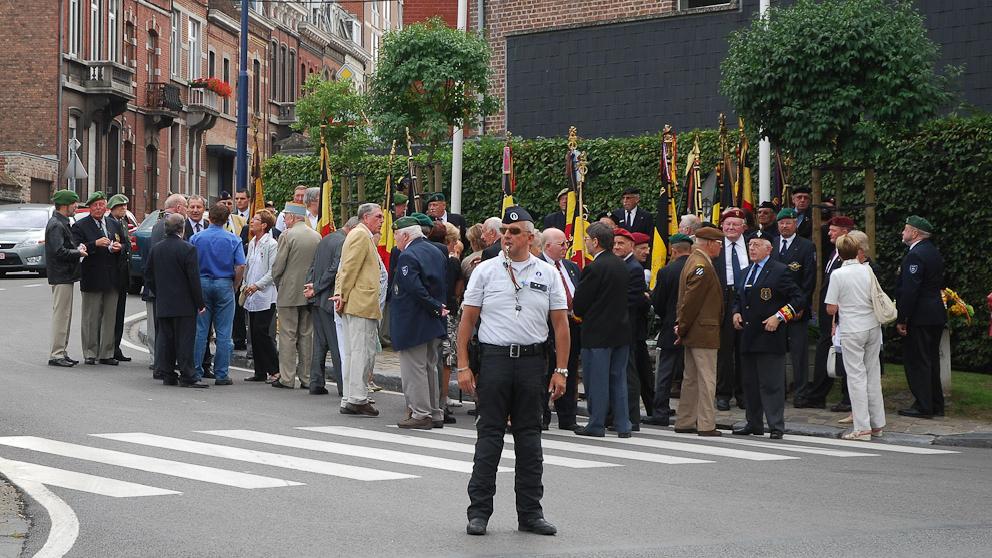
[[514, 351]]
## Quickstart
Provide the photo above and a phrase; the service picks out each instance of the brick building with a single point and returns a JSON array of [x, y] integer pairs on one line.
[[115, 75]]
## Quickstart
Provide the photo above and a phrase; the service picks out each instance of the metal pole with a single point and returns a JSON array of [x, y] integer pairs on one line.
[[458, 139], [241, 163], [764, 146]]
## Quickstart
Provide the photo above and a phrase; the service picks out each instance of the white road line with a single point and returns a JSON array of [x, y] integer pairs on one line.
[[78, 481], [757, 442], [422, 442], [64, 524], [260, 457], [686, 447], [872, 446], [586, 449], [144, 463], [32, 285], [345, 449]]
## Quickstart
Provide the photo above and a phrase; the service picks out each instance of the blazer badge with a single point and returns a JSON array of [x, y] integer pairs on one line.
[[766, 294], [795, 266]]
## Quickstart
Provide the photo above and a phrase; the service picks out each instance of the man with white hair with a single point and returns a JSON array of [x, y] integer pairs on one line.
[[418, 322], [689, 224], [568, 273], [491, 237], [311, 199], [176, 203]]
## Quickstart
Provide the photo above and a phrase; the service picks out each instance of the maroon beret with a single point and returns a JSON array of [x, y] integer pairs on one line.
[[623, 232], [843, 222], [640, 238]]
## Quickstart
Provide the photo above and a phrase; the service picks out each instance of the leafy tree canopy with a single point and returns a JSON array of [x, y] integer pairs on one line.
[[341, 108]]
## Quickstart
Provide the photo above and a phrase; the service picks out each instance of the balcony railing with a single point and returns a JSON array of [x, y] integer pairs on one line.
[[285, 113], [202, 99], [102, 77], [163, 97]]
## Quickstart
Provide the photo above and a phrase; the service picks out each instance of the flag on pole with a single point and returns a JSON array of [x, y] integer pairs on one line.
[[325, 212], [257, 194], [575, 219], [666, 221], [693, 187], [743, 194], [386, 239], [509, 177], [725, 193]]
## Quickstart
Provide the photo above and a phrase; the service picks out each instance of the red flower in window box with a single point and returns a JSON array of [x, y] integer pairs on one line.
[[218, 86]]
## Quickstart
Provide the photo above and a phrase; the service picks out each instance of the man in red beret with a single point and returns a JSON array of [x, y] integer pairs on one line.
[[640, 377], [730, 266]]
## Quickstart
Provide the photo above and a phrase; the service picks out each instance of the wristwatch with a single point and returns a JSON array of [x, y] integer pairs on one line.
[[562, 371]]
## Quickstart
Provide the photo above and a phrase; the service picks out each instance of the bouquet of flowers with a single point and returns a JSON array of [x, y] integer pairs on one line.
[[218, 86], [958, 311]]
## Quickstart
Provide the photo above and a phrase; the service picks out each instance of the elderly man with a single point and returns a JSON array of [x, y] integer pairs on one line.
[[418, 322], [799, 255], [730, 265], [62, 257], [400, 205], [222, 266], [298, 195], [921, 317], [176, 203], [802, 200], [491, 238], [766, 222], [118, 210], [640, 379], [642, 251], [689, 224], [297, 246], [311, 199], [103, 238], [357, 288], [555, 249], [318, 288], [630, 217], [556, 220], [437, 209]]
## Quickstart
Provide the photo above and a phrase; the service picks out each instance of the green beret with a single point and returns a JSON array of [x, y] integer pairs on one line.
[[65, 197], [424, 220], [680, 238], [787, 213], [918, 222], [399, 198], [436, 196], [404, 222], [117, 199], [95, 196]]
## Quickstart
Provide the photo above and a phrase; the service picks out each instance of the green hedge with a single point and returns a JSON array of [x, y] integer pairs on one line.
[[942, 172]]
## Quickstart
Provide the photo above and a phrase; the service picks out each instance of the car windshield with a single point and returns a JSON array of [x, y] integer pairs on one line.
[[149, 221], [35, 218]]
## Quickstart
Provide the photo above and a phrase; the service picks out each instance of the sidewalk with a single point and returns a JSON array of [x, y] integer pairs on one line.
[[13, 525]]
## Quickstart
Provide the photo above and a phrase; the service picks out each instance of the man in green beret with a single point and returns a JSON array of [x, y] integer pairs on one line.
[[400, 205], [62, 257], [118, 210], [799, 255], [437, 209]]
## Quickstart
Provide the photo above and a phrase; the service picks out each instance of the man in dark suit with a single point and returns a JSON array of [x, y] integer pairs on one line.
[[555, 248], [766, 297], [665, 298], [437, 209], [100, 278], [556, 220], [799, 255], [118, 210], [921, 318], [195, 219], [730, 266], [176, 203], [172, 272], [601, 303], [802, 200], [766, 222], [631, 217], [640, 380]]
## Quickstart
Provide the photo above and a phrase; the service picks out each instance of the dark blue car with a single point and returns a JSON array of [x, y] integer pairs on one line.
[[140, 238]]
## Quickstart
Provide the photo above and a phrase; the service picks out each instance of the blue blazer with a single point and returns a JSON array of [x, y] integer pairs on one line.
[[418, 292], [773, 289]]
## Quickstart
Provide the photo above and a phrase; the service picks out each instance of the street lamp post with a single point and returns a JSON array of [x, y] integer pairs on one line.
[[764, 146], [458, 138], [241, 162]]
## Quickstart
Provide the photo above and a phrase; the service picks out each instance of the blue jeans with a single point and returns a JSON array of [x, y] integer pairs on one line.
[[604, 375], [218, 297]]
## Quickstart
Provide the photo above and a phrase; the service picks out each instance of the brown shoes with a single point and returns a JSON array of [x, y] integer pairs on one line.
[[425, 423], [365, 409], [713, 432]]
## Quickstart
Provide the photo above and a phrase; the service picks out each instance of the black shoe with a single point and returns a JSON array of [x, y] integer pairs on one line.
[[151, 367], [279, 384], [545, 426], [623, 434], [571, 427], [62, 362], [914, 413], [240, 345], [538, 526], [747, 431], [437, 424], [776, 435], [70, 359], [208, 374], [109, 361], [255, 379], [586, 432], [158, 376], [740, 404], [318, 390], [224, 382], [347, 411], [635, 427], [802, 403], [120, 357], [90, 360], [840, 408], [472, 412], [193, 385], [722, 404], [656, 420], [170, 381], [476, 526], [449, 417]]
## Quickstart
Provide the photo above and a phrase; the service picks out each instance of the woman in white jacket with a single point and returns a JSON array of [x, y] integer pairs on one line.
[[259, 295]]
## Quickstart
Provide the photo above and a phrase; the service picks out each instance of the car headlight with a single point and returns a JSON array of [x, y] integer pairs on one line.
[[29, 243]]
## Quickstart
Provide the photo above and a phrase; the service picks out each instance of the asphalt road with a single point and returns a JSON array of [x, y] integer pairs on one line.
[[637, 497]]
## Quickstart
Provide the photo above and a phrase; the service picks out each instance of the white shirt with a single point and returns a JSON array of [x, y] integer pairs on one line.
[[491, 289], [243, 214], [202, 222], [444, 217], [564, 273], [281, 222], [312, 219], [261, 256], [850, 291], [783, 240], [630, 216], [742, 260]]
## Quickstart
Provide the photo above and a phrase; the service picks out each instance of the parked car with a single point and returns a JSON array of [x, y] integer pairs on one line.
[[22, 237], [140, 245]]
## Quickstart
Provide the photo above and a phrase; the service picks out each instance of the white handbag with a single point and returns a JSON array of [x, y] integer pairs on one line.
[[834, 354], [885, 309]]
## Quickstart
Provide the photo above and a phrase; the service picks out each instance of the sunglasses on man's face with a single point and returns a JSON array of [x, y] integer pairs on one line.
[[512, 230]]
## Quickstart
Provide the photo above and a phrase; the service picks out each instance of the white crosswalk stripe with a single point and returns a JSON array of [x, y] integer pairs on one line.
[[20, 470], [756, 442], [873, 446], [686, 447], [144, 463], [260, 457]]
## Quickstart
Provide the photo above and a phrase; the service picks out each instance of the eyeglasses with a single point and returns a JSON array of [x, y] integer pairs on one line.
[[512, 230]]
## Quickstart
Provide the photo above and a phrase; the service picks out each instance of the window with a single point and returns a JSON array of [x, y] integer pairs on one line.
[[113, 48], [130, 45], [256, 85], [691, 4], [282, 73], [113, 160], [356, 32], [95, 30], [273, 71], [211, 64], [385, 14], [175, 46], [375, 12], [227, 78], [153, 71], [193, 45], [375, 47], [292, 76], [70, 183], [75, 27]]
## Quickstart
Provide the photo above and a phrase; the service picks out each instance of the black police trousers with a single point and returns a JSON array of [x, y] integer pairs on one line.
[[509, 389]]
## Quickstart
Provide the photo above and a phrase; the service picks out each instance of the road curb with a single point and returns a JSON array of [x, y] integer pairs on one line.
[[969, 440], [14, 525]]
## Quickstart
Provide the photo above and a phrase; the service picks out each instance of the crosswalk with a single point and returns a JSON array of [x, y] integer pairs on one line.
[[311, 454]]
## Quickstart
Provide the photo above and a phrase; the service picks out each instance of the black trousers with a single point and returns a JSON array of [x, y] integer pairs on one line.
[[119, 326], [239, 331], [671, 362], [645, 375], [798, 339], [509, 387], [728, 359], [921, 355], [174, 339], [764, 386], [263, 346], [565, 405], [325, 338]]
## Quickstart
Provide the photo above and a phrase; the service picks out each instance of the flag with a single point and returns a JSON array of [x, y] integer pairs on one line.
[[725, 194], [509, 177], [744, 196], [325, 212], [386, 239], [692, 188], [575, 220], [258, 194], [666, 220]]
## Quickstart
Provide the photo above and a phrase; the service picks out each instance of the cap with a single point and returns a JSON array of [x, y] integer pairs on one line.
[[787, 213], [918, 222], [802, 190], [514, 214], [842, 221], [631, 191], [399, 198], [709, 233], [562, 192], [640, 238], [117, 199], [622, 232], [224, 195], [404, 222], [679, 238], [766, 205], [422, 219], [732, 212], [65, 197], [95, 196], [296, 209], [436, 197]]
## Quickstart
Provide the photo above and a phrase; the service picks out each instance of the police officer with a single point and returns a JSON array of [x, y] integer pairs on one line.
[[514, 294]]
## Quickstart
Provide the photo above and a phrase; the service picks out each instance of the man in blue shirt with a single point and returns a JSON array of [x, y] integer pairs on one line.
[[222, 266]]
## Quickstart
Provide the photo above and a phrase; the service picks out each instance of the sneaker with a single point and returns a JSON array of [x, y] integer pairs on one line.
[[425, 423], [454, 402], [365, 409]]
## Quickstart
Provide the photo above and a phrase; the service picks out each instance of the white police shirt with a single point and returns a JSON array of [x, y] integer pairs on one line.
[[491, 289]]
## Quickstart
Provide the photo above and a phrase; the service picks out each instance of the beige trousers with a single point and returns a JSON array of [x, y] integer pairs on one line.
[[295, 344], [696, 407], [61, 319], [99, 320]]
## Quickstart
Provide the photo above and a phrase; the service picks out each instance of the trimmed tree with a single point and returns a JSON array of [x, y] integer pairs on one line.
[[339, 106]]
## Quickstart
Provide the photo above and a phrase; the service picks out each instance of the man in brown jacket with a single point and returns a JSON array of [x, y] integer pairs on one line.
[[360, 281], [697, 327]]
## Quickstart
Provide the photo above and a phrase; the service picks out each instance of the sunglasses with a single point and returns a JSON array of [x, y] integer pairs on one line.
[[511, 230]]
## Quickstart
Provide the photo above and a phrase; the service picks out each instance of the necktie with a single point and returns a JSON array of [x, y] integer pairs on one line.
[[197, 227], [564, 284], [753, 276], [103, 229], [785, 246], [735, 262]]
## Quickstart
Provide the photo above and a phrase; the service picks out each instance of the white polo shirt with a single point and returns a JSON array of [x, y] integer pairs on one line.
[[491, 289], [850, 291]]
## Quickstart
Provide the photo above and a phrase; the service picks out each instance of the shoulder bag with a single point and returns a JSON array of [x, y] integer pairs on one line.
[[885, 309]]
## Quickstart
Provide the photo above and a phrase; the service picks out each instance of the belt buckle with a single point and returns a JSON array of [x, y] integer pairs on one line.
[[514, 351]]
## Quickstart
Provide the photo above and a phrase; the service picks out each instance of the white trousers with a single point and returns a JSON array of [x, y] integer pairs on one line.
[[864, 377], [362, 336]]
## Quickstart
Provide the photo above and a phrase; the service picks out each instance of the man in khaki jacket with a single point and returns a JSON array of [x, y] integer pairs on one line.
[[357, 289], [697, 327], [297, 245]]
